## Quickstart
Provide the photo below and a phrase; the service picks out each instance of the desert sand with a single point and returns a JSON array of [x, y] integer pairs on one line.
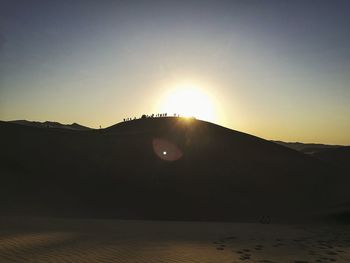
[[209, 174], [78, 240]]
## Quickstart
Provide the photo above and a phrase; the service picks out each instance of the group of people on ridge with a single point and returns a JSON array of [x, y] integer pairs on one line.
[[158, 115]]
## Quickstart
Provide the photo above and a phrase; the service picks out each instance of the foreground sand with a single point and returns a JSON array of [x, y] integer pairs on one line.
[[73, 240]]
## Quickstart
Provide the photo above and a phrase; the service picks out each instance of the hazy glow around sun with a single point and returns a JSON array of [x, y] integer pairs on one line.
[[188, 101]]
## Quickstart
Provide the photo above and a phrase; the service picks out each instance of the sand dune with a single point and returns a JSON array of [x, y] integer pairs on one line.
[[121, 172], [73, 240]]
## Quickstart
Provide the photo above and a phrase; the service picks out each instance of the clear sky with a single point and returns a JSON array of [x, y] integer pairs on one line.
[[276, 69]]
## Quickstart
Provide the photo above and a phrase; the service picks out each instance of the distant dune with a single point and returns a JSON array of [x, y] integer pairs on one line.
[[52, 124], [309, 148], [162, 168], [338, 155]]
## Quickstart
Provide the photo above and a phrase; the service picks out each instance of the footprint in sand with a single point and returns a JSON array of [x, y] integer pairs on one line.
[[278, 245], [243, 254], [332, 253], [258, 247], [244, 257]]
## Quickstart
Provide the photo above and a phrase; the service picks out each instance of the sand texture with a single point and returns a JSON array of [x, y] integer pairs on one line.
[[75, 240]]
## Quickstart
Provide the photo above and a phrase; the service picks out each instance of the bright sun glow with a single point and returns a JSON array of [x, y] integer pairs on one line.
[[188, 101]]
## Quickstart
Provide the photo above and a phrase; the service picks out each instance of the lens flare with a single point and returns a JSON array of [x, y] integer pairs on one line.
[[166, 150]]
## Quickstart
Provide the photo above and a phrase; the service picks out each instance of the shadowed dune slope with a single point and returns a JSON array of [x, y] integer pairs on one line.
[[337, 156], [160, 168]]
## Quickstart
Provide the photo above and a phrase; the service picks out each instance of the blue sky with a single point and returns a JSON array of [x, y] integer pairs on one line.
[[276, 69]]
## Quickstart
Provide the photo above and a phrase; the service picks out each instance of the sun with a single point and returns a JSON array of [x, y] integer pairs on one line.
[[188, 101]]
